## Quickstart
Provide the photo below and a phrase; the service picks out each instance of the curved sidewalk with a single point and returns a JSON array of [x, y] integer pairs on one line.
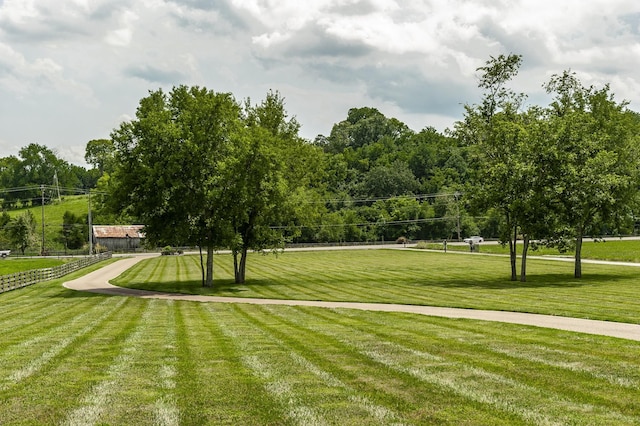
[[98, 282]]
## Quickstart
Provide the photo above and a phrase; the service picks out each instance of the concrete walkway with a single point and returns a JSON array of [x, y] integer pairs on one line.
[[98, 282]]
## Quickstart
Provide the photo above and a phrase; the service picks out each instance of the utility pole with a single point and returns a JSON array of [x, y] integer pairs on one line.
[[90, 226], [42, 205], [456, 195]]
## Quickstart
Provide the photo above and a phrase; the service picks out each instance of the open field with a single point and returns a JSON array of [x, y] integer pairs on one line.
[[408, 277], [53, 214], [11, 266], [623, 250], [79, 358]]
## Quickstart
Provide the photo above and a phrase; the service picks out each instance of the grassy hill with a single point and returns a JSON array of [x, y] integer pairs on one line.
[[53, 213]]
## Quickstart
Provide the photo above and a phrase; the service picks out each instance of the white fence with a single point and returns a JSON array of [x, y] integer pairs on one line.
[[26, 278]]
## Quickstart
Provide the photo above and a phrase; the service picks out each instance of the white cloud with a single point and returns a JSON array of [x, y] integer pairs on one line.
[[23, 77], [414, 59], [121, 37]]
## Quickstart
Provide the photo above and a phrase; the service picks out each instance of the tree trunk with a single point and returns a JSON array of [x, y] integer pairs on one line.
[[201, 265], [512, 254], [235, 265], [209, 279], [523, 264], [578, 262], [241, 267]]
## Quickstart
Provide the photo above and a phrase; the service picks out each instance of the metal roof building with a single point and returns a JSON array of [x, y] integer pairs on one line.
[[118, 237]]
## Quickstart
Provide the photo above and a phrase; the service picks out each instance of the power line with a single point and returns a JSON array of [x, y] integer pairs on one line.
[[374, 199], [384, 223]]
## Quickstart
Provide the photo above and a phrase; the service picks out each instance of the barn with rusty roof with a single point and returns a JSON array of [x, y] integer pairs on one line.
[[118, 237]]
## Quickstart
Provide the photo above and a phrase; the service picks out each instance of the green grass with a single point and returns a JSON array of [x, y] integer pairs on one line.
[[408, 277], [613, 249], [80, 358], [53, 213], [11, 266]]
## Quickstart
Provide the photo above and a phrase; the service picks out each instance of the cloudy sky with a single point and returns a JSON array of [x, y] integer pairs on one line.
[[72, 70]]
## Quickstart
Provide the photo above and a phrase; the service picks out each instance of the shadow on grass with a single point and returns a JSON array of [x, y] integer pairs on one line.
[[75, 294], [533, 281], [227, 287], [220, 287]]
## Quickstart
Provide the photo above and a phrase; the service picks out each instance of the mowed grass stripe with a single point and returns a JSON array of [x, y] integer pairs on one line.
[[150, 361], [383, 387], [291, 378], [413, 277], [27, 357], [100, 404], [567, 367], [166, 411], [15, 325], [61, 383], [276, 357], [213, 385], [472, 371]]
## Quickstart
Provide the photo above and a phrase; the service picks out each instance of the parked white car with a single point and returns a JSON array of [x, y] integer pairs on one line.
[[474, 240], [5, 253]]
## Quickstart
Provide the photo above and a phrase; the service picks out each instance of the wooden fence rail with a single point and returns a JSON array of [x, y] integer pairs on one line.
[[26, 278]]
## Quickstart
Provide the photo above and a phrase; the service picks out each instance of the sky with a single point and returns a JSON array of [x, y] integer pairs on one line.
[[73, 70]]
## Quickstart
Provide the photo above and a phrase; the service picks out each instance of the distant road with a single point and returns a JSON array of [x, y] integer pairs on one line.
[[98, 282]]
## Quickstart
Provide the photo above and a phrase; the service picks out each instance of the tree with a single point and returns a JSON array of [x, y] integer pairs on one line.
[[388, 181], [266, 180], [41, 166], [169, 167], [21, 231], [597, 163], [495, 133], [5, 219], [100, 154], [74, 232]]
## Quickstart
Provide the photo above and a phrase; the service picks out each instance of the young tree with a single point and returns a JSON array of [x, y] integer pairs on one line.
[[495, 133], [598, 162], [21, 231], [74, 232], [266, 180]]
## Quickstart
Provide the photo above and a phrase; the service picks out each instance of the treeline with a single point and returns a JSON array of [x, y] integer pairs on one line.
[[22, 176], [384, 181], [200, 168]]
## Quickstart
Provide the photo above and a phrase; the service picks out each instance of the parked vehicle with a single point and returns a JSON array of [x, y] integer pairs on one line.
[[474, 240], [5, 253]]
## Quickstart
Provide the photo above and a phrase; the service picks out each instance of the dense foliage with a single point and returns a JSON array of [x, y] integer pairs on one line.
[[199, 168], [22, 176]]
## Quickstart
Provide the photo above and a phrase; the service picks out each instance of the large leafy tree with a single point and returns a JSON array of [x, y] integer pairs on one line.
[[99, 153], [495, 132], [169, 167], [596, 138], [197, 168], [267, 180]]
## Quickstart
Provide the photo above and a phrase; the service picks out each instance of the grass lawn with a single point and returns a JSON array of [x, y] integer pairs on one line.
[[78, 358], [408, 277], [53, 215], [11, 266], [613, 249]]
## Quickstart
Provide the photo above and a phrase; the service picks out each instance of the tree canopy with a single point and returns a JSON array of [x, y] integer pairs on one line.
[[197, 168]]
